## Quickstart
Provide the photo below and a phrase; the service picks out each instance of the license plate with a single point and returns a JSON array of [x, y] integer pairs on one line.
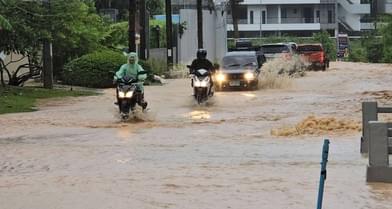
[[235, 83]]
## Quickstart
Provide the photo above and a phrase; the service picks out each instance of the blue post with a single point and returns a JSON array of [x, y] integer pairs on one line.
[[323, 174]]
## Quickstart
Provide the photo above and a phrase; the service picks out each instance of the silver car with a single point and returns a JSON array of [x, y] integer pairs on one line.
[[279, 50]]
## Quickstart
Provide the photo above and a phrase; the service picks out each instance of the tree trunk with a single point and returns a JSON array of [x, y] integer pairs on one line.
[[199, 24], [131, 26], [234, 16], [2, 73], [143, 33]]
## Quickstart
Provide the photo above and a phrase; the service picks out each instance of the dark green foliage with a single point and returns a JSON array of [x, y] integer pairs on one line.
[[97, 69], [329, 44], [153, 33], [386, 32], [155, 7], [358, 52], [72, 26], [117, 35], [93, 70]]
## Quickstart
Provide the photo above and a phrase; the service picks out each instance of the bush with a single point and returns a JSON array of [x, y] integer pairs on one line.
[[358, 52], [329, 44], [96, 69]]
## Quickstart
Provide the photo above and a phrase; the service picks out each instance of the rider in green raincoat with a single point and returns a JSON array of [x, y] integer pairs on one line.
[[133, 69]]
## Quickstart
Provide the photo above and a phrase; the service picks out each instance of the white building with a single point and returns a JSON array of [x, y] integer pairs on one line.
[[299, 17], [383, 6]]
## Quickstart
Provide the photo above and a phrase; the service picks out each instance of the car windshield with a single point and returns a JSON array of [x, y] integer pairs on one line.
[[275, 49], [310, 48], [237, 61]]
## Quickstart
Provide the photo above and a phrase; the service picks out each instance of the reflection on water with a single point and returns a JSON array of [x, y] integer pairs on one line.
[[124, 132], [199, 115], [250, 95]]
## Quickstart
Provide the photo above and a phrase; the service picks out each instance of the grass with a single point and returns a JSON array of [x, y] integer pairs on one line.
[[17, 99]]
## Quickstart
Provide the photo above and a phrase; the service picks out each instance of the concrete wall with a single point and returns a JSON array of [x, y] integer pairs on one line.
[[214, 35], [161, 54], [13, 67]]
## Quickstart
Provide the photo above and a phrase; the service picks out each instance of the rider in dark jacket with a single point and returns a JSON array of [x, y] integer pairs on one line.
[[201, 62]]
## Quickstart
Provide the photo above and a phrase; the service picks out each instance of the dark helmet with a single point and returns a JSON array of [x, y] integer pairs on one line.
[[201, 53]]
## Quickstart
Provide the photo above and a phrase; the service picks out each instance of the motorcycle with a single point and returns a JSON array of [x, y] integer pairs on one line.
[[201, 83], [128, 95]]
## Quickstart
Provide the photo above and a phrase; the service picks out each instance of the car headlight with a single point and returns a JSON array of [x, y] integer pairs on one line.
[[129, 94], [220, 77], [249, 76], [121, 94]]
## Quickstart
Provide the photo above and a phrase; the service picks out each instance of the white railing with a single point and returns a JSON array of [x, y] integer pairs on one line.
[[269, 2], [276, 27]]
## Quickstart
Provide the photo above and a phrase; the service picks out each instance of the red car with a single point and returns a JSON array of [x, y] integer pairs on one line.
[[314, 55]]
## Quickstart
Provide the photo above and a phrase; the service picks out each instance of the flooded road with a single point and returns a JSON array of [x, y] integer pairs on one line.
[[75, 153]]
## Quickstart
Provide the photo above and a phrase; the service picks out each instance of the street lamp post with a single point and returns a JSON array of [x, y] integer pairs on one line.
[[169, 34], [261, 19]]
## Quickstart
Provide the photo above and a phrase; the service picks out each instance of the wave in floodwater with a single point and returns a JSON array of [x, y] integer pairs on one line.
[[279, 73]]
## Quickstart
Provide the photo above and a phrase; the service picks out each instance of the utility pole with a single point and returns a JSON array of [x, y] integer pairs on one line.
[[169, 34], [199, 24], [48, 55], [131, 26], [143, 34]]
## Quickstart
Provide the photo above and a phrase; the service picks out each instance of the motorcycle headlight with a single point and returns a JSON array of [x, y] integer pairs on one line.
[[249, 76], [220, 77], [121, 94], [129, 94], [197, 83], [203, 83]]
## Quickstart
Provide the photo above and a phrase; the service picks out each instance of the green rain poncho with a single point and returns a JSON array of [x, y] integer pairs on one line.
[[132, 70]]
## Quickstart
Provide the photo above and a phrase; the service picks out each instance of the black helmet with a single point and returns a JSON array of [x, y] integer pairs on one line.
[[201, 53]]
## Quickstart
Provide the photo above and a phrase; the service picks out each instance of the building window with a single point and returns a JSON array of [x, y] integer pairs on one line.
[[295, 11], [251, 17], [284, 13], [330, 20], [318, 16], [263, 15]]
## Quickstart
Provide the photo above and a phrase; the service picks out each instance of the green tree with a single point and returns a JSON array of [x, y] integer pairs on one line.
[[155, 7], [386, 32], [4, 24], [329, 45], [73, 27]]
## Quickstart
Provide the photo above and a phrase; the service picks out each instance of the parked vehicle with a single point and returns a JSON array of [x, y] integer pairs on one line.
[[246, 46], [201, 84], [279, 50], [238, 70], [314, 55]]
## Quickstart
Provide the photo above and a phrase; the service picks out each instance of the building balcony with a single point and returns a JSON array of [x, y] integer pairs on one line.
[[277, 2], [276, 27], [268, 21]]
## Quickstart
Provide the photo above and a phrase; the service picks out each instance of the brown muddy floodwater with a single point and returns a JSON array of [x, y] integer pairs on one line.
[[75, 154]]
